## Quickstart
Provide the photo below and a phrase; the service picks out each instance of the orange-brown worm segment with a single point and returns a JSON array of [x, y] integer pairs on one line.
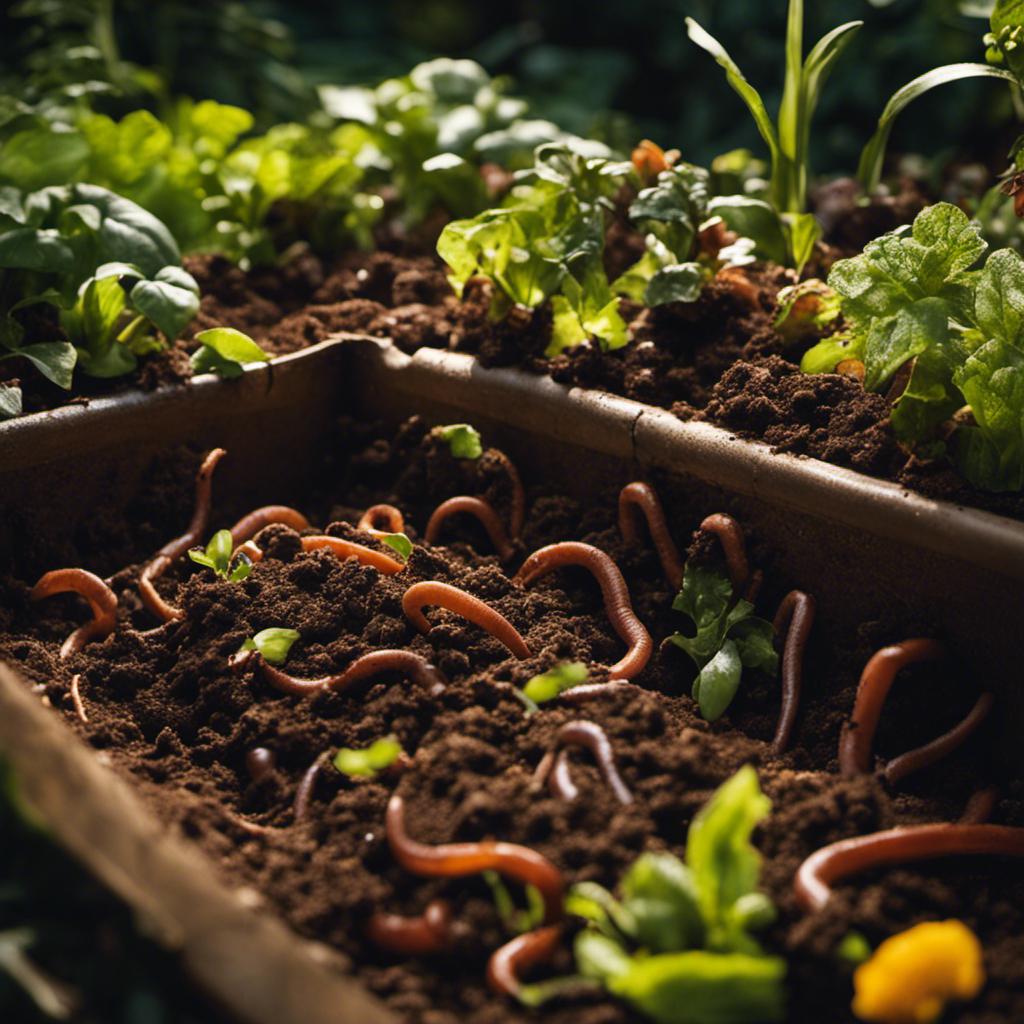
[[477, 507], [445, 596], [453, 860], [412, 936], [249, 525], [916, 842], [523, 951], [595, 739], [730, 535], [415, 666], [348, 549], [517, 513], [174, 549], [794, 617], [102, 600], [613, 589], [639, 495], [371, 519]]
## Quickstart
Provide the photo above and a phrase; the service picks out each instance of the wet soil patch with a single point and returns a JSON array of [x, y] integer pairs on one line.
[[171, 713]]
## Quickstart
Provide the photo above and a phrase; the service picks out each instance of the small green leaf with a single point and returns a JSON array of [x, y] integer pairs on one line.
[[830, 352], [55, 360], [680, 283], [217, 555], [802, 231], [170, 300], [853, 948], [10, 401], [718, 681], [367, 762], [805, 308], [660, 892], [399, 543], [462, 439], [233, 345], [550, 684], [273, 643]]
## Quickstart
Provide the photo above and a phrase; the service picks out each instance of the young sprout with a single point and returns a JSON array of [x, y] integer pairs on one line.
[[224, 351], [912, 975], [274, 643], [398, 542], [217, 557], [550, 684], [369, 761], [462, 439]]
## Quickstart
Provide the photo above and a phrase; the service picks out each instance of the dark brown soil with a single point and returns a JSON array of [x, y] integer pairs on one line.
[[171, 714]]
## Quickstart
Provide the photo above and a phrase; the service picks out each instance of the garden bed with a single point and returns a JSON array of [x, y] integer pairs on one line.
[[167, 710]]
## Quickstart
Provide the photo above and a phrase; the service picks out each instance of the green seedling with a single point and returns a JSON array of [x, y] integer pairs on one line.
[[677, 945], [516, 921], [550, 684], [369, 761], [274, 643], [728, 638], [399, 543], [217, 557], [463, 440], [225, 351], [917, 297]]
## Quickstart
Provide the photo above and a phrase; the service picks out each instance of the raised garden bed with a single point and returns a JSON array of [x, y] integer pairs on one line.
[[168, 711]]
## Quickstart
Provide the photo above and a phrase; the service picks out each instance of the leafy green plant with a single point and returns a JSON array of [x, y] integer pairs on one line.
[[728, 638], [225, 351], [273, 643], [678, 946], [915, 296], [463, 440], [217, 557], [368, 761]]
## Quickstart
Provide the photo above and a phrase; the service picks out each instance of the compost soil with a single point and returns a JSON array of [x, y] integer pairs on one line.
[[171, 713]]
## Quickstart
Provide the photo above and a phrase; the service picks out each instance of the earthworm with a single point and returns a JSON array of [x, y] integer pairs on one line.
[[412, 936], [523, 951], [472, 608], [795, 616], [479, 508], [583, 693], [613, 589], [415, 666], [102, 600], [560, 778], [250, 550], [305, 788], [249, 525], [76, 698], [641, 496], [375, 514], [174, 549], [929, 753], [517, 512], [259, 762], [595, 739], [349, 549], [914, 842], [452, 860], [730, 535], [875, 681], [980, 806]]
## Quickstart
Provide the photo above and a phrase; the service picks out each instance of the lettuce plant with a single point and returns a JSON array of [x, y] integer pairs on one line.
[[677, 945], [920, 296], [728, 638]]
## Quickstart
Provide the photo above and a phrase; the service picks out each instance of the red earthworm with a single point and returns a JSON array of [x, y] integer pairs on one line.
[[879, 849], [348, 549], [730, 535], [875, 681], [613, 589], [478, 507], [980, 806], [412, 936], [638, 495], [929, 753], [523, 951], [795, 616], [376, 514], [452, 860], [249, 525], [580, 694], [174, 549], [595, 739], [415, 666], [76, 698], [472, 608], [102, 600], [305, 788], [517, 512]]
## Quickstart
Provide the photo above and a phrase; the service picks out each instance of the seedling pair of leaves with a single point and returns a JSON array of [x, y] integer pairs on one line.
[[677, 944], [915, 295], [217, 557], [729, 638]]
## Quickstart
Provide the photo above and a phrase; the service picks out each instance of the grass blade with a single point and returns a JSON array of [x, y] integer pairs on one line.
[[870, 169], [792, 113]]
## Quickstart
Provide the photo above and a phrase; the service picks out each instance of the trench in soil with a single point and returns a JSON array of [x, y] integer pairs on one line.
[[171, 714]]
